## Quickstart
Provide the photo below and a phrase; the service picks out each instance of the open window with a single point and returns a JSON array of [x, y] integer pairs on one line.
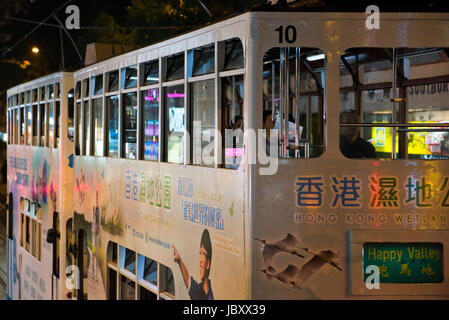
[[394, 103], [31, 227], [97, 115], [294, 81], [137, 277], [71, 115], [112, 125]]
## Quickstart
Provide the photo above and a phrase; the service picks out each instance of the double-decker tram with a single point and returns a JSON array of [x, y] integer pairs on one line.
[[178, 195], [273, 155], [40, 186]]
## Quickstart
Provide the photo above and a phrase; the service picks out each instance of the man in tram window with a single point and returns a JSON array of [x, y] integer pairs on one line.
[[202, 290], [351, 145]]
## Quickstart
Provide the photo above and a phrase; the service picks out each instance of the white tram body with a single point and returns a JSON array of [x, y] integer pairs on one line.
[[40, 186], [297, 234], [309, 224]]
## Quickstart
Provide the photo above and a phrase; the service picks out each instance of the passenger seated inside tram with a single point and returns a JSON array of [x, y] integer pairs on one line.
[[351, 145], [292, 132], [238, 123]]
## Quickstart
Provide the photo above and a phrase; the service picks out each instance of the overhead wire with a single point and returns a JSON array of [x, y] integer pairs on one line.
[[98, 27], [34, 29]]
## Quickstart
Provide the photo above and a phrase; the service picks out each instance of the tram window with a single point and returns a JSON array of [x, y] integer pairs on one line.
[[145, 294], [11, 127], [58, 122], [79, 121], [174, 124], [22, 230], [86, 88], [22, 98], [11, 139], [127, 288], [203, 60], [112, 80], [150, 121], [43, 124], [56, 245], [57, 90], [130, 261], [85, 255], [33, 232], [27, 233], [86, 130], [112, 253], [366, 87], [15, 123], [51, 93], [51, 123], [112, 288], [78, 90], [129, 77], [129, 125], [69, 243], [302, 119], [29, 122], [98, 84], [167, 281], [22, 125], [27, 97], [9, 124], [34, 118], [150, 271], [112, 123], [232, 117], [233, 55], [174, 67], [97, 110], [42, 90], [150, 73], [203, 120], [71, 116], [35, 95], [31, 227]]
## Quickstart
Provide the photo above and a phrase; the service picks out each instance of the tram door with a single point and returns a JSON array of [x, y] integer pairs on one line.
[[55, 257], [10, 248], [82, 262]]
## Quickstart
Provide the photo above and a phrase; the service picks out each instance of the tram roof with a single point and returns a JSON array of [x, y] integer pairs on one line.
[[42, 81], [257, 13], [405, 6]]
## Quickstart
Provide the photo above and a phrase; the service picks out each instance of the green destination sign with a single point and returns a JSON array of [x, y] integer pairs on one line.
[[405, 262]]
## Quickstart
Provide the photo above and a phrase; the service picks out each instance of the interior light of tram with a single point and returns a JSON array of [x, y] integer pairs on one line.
[[316, 57]]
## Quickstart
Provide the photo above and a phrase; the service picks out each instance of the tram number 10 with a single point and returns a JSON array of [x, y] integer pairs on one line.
[[289, 34]]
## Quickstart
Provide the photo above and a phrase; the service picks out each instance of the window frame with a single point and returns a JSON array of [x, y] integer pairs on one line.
[[216, 73], [158, 290], [400, 115], [31, 228]]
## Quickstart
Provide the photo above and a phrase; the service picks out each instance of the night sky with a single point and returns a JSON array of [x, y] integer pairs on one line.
[[46, 38]]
